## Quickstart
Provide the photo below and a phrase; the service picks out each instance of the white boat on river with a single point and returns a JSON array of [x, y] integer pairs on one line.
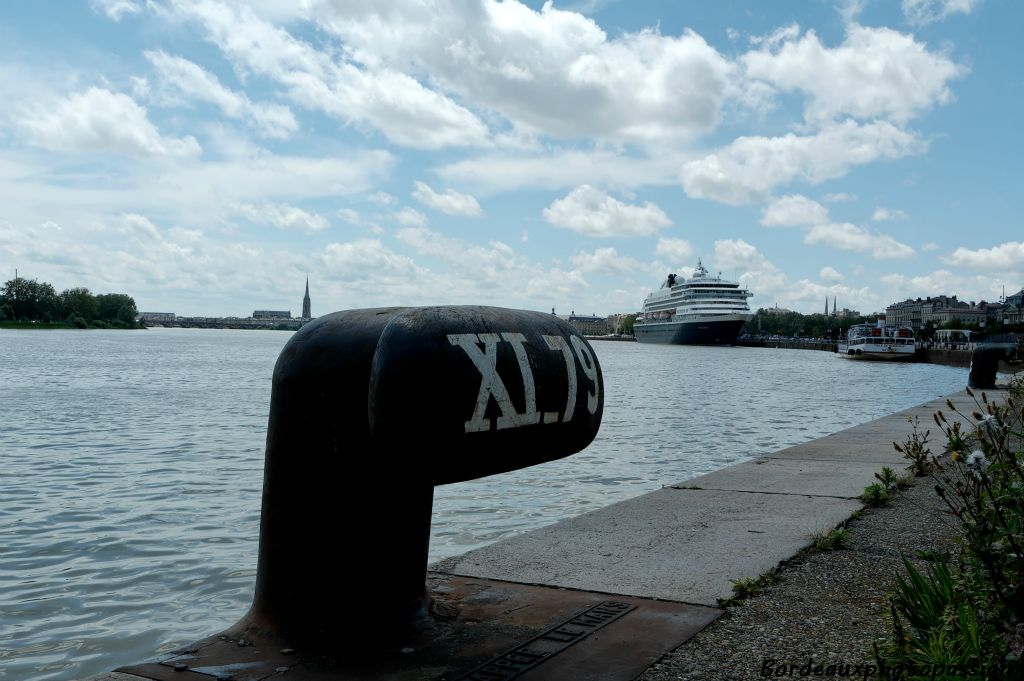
[[878, 342]]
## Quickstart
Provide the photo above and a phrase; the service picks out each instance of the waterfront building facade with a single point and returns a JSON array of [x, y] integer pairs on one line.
[[272, 314], [588, 325], [938, 310]]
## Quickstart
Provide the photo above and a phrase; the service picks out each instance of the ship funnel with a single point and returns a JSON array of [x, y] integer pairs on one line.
[[881, 321]]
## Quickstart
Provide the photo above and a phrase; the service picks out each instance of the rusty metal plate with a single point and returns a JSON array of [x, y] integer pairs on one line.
[[526, 656], [160, 672], [480, 620]]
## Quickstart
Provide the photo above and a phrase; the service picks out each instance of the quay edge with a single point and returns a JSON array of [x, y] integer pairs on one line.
[[684, 543]]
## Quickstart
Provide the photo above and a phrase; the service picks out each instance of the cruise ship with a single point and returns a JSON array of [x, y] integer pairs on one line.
[[702, 310]]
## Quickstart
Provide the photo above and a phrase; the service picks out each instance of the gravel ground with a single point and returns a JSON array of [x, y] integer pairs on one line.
[[824, 606]]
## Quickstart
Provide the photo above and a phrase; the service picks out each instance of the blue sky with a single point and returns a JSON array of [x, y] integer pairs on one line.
[[205, 156]]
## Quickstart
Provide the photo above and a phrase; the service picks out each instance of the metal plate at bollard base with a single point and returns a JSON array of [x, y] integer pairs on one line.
[[486, 630]]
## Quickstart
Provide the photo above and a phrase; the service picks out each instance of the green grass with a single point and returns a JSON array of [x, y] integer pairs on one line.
[[832, 540]]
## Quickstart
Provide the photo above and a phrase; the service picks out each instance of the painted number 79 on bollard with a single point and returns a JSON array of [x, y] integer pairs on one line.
[[491, 389], [483, 351]]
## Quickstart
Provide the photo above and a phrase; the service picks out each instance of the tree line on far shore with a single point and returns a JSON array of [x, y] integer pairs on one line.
[[32, 301], [794, 324]]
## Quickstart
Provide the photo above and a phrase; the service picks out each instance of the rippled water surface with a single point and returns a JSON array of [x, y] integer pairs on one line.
[[131, 470]]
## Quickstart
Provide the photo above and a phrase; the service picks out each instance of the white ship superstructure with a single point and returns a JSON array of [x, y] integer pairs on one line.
[[878, 341], [701, 310]]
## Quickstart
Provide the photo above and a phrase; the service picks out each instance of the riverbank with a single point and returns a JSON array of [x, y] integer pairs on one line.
[[671, 557], [47, 326], [822, 607]]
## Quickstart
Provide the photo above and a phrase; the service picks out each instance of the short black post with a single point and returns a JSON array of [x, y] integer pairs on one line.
[[985, 364], [372, 408]]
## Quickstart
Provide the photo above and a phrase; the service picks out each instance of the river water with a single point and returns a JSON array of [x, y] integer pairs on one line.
[[131, 468]]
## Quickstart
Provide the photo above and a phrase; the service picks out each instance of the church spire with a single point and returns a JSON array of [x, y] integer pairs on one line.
[[306, 312]]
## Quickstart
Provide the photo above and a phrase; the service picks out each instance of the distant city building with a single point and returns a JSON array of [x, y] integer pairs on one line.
[[306, 311], [588, 326], [272, 314], [615, 322], [938, 310], [156, 316], [775, 310], [944, 310], [846, 312]]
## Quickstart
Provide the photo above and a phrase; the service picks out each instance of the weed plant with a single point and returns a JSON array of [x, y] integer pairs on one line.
[[915, 449], [875, 495], [965, 618]]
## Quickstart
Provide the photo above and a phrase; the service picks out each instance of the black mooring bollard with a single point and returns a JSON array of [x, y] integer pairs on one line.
[[985, 364], [372, 408]]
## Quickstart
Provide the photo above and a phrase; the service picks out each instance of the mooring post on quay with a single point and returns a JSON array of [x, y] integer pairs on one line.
[[370, 410], [985, 362]]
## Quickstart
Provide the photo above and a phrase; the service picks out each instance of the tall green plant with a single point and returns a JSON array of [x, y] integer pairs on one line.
[[972, 615]]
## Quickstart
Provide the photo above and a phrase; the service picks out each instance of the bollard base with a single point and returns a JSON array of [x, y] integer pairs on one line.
[[481, 629]]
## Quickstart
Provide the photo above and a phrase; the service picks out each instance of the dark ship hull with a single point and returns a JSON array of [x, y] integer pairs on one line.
[[690, 333]]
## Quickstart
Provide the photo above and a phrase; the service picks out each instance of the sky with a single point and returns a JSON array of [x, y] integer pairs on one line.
[[206, 156]]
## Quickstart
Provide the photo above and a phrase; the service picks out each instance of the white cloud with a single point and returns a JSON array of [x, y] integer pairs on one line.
[[875, 73], [965, 287], [805, 294], [450, 201], [1007, 257], [499, 257], [675, 251], [382, 199], [100, 120], [480, 274], [116, 9], [922, 12], [169, 269], [748, 168], [737, 253], [548, 70], [793, 210], [830, 274], [138, 226], [590, 211], [350, 216], [752, 268], [410, 217], [563, 168], [850, 237], [354, 260], [840, 197], [283, 216], [930, 246], [882, 214], [181, 191], [606, 261], [182, 81], [366, 94]]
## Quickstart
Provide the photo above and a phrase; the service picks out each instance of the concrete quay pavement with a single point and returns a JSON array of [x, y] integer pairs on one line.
[[684, 543], [687, 541]]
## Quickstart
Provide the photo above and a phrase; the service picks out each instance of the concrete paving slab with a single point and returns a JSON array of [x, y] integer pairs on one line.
[[832, 478], [673, 544], [878, 452]]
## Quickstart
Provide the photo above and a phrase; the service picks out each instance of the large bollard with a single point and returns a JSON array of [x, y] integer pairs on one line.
[[372, 408], [985, 364]]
